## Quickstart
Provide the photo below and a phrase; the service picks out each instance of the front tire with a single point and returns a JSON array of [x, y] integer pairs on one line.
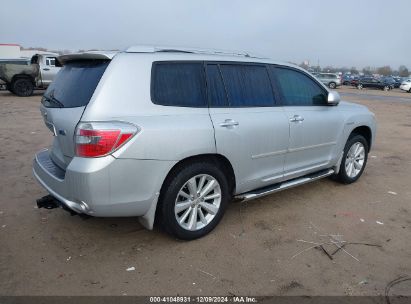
[[354, 159], [360, 87], [386, 88], [194, 200]]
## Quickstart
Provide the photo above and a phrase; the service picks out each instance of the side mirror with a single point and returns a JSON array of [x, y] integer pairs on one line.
[[333, 98]]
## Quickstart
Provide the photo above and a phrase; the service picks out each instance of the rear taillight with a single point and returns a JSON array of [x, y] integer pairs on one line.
[[96, 139]]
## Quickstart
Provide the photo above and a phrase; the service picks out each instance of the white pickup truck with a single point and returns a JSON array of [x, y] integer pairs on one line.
[[22, 76]]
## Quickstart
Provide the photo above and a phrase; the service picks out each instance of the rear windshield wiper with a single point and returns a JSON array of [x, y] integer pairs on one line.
[[53, 101]]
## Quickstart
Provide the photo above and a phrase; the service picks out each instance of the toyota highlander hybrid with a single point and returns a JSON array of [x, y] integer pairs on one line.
[[173, 135]]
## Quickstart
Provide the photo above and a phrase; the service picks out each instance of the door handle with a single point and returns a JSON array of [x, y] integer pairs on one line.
[[229, 123], [297, 118], [46, 69]]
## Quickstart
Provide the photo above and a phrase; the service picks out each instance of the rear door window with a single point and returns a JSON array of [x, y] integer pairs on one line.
[[178, 84], [297, 88], [217, 94], [74, 84], [247, 85]]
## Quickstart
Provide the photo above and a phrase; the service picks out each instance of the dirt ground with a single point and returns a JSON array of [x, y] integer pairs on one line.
[[253, 251]]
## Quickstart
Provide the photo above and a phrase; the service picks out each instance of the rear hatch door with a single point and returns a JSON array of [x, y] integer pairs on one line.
[[65, 100]]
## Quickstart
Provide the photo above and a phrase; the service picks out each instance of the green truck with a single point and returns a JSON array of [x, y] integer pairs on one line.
[[23, 76]]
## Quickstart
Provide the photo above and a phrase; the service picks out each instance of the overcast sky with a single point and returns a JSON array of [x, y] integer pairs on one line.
[[340, 33]]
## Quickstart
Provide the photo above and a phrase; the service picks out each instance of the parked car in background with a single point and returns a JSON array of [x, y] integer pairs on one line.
[[397, 82], [372, 82], [388, 80], [355, 80], [330, 80], [22, 76], [406, 85], [175, 134], [346, 79]]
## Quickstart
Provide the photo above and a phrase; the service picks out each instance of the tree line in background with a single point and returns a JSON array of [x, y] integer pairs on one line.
[[384, 70]]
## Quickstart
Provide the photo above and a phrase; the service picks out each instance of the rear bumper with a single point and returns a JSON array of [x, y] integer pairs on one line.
[[106, 186]]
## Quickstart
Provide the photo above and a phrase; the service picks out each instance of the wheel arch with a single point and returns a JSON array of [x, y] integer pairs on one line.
[[364, 131], [21, 76], [217, 159]]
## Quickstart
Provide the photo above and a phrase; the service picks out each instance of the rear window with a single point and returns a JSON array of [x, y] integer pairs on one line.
[[332, 76], [74, 84], [178, 84]]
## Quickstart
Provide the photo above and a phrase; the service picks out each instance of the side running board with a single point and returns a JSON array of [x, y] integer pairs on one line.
[[284, 185]]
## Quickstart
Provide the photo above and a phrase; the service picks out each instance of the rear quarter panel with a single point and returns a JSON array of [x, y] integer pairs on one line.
[[166, 133]]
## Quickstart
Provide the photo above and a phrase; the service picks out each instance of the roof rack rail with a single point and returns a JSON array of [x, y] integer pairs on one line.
[[161, 49]]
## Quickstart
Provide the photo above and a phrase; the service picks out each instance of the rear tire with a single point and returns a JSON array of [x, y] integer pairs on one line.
[[332, 85], [354, 159], [184, 212], [386, 88], [22, 87], [360, 87]]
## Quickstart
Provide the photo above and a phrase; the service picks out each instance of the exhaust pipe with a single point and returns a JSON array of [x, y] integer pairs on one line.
[[50, 202]]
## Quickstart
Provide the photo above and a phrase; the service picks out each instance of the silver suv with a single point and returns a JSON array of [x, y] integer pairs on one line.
[[173, 135], [330, 80]]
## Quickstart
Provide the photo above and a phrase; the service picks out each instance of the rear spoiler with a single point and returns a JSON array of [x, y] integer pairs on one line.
[[63, 59]]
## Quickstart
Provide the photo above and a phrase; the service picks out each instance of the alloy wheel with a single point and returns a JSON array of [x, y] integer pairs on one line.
[[197, 202], [355, 159]]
